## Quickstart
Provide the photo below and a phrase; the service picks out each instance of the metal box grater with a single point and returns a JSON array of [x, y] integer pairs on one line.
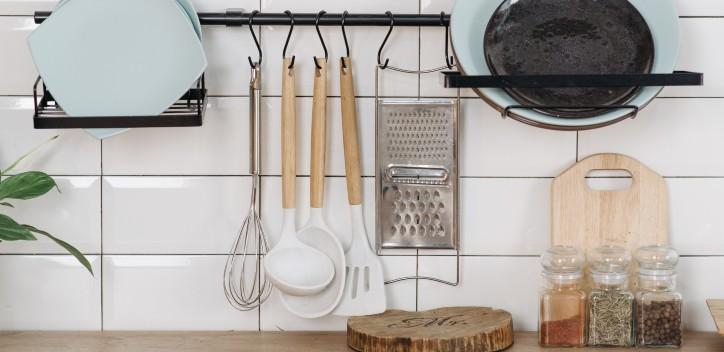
[[417, 174]]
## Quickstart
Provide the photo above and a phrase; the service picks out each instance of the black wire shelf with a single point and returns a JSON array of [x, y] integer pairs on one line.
[[677, 78], [188, 111]]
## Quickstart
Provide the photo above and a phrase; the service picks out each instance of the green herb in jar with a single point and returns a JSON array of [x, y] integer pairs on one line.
[[610, 318]]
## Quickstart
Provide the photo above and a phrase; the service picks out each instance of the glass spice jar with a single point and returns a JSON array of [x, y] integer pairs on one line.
[[610, 304], [562, 320], [658, 312]]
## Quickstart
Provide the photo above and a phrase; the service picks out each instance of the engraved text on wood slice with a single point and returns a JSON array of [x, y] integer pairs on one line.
[[462, 329]]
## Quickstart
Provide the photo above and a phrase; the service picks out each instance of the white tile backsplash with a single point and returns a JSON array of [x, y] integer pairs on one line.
[[494, 147], [17, 69], [179, 215], [74, 214], [49, 292], [169, 292], [674, 137], [74, 153], [698, 52], [162, 206], [219, 147]]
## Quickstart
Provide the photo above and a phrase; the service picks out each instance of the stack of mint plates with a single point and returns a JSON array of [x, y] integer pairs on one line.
[[119, 57]]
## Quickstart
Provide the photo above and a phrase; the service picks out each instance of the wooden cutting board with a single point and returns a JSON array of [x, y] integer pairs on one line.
[[632, 217], [460, 329], [716, 306]]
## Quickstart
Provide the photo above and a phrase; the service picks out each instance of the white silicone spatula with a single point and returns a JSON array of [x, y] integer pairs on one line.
[[364, 289]]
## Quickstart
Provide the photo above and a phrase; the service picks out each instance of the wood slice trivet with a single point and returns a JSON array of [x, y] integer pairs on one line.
[[587, 218], [460, 329], [716, 306]]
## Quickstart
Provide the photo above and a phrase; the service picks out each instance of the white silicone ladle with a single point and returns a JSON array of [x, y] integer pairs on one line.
[[294, 267], [316, 233]]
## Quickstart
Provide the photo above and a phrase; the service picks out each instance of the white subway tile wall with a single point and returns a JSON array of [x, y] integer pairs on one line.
[[156, 210]]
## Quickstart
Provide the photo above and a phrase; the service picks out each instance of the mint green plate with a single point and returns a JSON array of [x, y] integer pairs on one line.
[[471, 17]]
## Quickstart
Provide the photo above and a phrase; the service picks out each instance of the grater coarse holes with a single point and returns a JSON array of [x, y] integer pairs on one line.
[[417, 174]]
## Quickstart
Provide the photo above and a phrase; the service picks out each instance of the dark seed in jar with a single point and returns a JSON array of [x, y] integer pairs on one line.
[[659, 323]]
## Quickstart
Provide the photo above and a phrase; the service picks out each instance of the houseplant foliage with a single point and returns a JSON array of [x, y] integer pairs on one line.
[[21, 187]]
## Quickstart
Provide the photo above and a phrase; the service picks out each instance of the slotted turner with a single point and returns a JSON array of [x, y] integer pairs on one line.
[[364, 288]]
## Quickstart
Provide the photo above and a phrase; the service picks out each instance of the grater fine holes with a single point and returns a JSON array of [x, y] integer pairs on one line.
[[412, 231], [408, 219]]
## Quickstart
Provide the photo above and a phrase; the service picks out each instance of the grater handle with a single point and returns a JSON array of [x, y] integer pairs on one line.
[[349, 132], [319, 134], [289, 167]]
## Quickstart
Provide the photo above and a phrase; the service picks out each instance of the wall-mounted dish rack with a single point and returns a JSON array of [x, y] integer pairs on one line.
[[189, 110]]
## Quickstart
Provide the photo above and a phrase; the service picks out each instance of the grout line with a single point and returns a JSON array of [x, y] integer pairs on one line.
[[259, 194], [578, 139], [382, 255], [482, 177], [462, 97], [101, 255], [715, 177]]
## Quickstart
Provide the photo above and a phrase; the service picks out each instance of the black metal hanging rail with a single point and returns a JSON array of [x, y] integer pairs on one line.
[[235, 18], [677, 78]]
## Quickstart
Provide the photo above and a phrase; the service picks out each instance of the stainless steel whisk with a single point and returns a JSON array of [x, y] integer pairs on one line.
[[240, 294]]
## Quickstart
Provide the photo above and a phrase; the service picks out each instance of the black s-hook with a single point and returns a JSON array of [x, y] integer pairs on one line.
[[256, 41], [289, 36], [449, 60], [379, 53], [344, 35], [319, 33]]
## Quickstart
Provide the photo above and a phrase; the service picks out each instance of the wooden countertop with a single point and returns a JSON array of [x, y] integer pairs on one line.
[[253, 341]]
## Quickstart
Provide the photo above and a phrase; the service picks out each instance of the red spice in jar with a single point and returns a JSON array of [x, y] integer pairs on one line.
[[567, 332]]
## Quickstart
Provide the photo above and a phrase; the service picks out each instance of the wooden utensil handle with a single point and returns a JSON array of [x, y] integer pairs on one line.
[[349, 131], [319, 134], [289, 118]]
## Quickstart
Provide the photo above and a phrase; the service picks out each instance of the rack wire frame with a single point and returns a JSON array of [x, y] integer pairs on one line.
[[188, 111]]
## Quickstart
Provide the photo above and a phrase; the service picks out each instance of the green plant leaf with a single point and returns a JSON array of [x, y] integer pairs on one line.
[[6, 204], [72, 250], [27, 185], [12, 231], [15, 164]]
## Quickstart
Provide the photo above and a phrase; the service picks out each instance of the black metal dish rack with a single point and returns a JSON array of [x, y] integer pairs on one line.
[[189, 110]]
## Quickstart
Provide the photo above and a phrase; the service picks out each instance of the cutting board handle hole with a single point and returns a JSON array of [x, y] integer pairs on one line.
[[609, 180]]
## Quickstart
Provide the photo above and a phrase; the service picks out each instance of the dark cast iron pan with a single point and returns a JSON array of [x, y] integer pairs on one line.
[[528, 37]]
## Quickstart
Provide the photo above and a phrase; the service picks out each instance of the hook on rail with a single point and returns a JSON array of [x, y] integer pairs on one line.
[[379, 53], [344, 35], [321, 39], [289, 36], [449, 59], [256, 41]]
